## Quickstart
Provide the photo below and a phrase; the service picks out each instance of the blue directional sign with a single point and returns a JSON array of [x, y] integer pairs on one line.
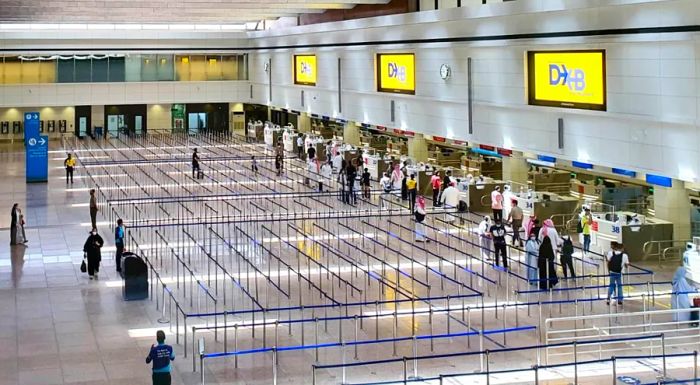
[[37, 155], [31, 126]]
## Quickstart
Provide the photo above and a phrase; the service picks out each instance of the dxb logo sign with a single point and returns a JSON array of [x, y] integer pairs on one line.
[[397, 71], [575, 79], [306, 69]]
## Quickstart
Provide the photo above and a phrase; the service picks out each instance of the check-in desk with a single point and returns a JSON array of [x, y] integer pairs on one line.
[[630, 229]]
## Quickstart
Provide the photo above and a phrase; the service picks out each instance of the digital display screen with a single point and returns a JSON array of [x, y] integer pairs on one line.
[[396, 73]]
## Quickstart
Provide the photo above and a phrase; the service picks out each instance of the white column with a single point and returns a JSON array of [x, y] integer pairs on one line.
[[672, 204]]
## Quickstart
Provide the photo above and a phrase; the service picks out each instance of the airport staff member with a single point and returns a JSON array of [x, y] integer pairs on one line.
[[586, 222], [69, 164], [412, 189], [161, 355], [119, 243]]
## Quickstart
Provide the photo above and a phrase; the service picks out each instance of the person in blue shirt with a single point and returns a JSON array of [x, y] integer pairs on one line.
[[119, 243], [161, 355]]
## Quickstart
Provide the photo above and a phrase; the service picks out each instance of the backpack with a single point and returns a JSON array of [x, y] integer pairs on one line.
[[579, 226]]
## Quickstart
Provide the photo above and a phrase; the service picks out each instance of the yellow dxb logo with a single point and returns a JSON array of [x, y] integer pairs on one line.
[[396, 73], [305, 70], [574, 79]]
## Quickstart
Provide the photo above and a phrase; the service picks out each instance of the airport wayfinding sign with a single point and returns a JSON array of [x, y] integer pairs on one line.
[[37, 150], [305, 70], [569, 79], [396, 73]]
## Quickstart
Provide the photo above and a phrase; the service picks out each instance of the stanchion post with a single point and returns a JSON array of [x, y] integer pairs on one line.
[[663, 352], [614, 370]]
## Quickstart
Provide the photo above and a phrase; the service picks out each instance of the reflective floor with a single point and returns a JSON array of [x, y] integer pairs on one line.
[[59, 327]]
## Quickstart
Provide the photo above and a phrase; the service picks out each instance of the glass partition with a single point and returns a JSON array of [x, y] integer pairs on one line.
[[122, 68]]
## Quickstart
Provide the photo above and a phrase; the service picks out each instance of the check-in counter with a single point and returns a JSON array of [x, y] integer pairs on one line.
[[476, 193], [551, 180], [630, 229], [542, 204], [273, 134], [289, 140], [256, 131]]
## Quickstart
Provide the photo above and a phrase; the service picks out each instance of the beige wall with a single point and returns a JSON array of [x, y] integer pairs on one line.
[[98, 117], [46, 113], [158, 117]]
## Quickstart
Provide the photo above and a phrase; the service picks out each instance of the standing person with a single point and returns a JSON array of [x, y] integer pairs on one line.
[[485, 237], [195, 164], [311, 152], [404, 179], [586, 222], [436, 183], [419, 213], [93, 208], [567, 256], [300, 147], [351, 175], [617, 261], [412, 191], [532, 247], [365, 184], [450, 200], [515, 217], [161, 355], [679, 295], [254, 164], [533, 226], [119, 243], [545, 265], [14, 220], [278, 164], [342, 179], [385, 183], [91, 251], [548, 230], [327, 170], [497, 203], [69, 164], [396, 178], [279, 150], [20, 229], [498, 234]]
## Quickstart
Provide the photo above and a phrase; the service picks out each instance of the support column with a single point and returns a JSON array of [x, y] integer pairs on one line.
[[672, 204], [418, 148], [304, 123], [515, 168], [351, 134]]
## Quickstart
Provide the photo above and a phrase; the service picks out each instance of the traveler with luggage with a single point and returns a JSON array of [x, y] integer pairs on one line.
[[617, 261], [91, 253]]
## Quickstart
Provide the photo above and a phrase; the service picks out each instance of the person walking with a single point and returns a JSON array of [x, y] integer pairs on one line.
[[14, 220], [436, 183], [532, 248], [161, 355], [497, 203], [254, 165], [366, 184], [586, 222], [195, 164], [515, 217], [93, 208], [419, 214], [69, 164], [91, 252], [278, 164], [567, 256], [485, 238], [545, 265], [119, 243], [500, 246], [412, 190], [617, 261]]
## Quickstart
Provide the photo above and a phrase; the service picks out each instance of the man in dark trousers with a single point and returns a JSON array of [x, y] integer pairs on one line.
[[498, 234], [161, 355], [14, 220], [69, 164], [93, 209], [195, 164], [119, 243]]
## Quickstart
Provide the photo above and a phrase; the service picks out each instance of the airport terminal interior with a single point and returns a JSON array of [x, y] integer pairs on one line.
[[350, 192]]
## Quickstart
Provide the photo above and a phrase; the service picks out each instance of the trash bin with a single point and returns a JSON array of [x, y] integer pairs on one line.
[[135, 276]]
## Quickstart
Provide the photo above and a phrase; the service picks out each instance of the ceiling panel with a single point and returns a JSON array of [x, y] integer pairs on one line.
[[163, 11]]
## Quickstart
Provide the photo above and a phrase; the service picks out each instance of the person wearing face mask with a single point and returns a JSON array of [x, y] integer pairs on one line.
[[91, 252], [532, 247]]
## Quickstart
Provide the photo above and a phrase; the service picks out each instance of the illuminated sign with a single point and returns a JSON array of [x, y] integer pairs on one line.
[[571, 79], [305, 70], [396, 73]]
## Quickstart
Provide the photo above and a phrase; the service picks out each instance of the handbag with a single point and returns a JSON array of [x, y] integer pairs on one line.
[[83, 267]]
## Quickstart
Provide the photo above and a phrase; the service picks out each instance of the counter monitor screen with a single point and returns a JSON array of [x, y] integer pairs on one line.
[[396, 73], [568, 79]]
